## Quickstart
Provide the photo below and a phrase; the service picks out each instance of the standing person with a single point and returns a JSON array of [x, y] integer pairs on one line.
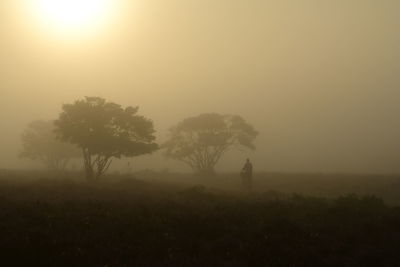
[[247, 175]]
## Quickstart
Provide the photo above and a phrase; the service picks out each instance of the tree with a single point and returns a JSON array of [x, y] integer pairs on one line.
[[201, 141], [39, 143], [104, 130]]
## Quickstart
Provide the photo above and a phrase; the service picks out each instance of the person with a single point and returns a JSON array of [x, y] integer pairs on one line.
[[247, 175]]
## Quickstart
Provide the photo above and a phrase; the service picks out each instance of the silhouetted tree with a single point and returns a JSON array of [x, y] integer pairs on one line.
[[201, 141], [105, 130], [39, 143]]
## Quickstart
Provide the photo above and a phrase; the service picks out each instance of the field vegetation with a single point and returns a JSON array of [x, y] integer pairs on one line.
[[165, 219]]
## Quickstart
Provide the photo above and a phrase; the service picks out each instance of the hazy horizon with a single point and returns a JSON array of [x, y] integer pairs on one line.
[[318, 79]]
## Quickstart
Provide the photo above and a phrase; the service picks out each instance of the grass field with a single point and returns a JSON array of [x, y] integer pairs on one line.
[[166, 219]]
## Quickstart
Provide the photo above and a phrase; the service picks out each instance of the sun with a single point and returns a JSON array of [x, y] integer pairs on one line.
[[73, 16]]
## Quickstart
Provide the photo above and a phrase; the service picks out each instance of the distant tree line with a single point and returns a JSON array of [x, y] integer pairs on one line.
[[99, 131], [39, 142]]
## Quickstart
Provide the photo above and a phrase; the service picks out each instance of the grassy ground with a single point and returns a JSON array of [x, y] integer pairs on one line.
[[163, 219]]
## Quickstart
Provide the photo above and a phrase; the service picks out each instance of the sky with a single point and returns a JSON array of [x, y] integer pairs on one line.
[[318, 79]]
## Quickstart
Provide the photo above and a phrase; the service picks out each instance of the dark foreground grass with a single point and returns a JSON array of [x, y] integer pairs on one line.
[[133, 223]]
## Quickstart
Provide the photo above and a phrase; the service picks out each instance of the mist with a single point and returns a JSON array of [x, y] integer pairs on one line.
[[317, 79], [199, 132]]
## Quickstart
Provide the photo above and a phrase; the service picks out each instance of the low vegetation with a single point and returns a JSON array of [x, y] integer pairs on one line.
[[127, 221]]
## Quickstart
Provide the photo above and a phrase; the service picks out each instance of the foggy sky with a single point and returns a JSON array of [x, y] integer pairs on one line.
[[318, 79]]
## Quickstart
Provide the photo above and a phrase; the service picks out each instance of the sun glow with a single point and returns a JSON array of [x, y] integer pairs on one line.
[[73, 16]]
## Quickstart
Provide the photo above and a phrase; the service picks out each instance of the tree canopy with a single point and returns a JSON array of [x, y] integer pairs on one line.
[[201, 141], [104, 130], [39, 143]]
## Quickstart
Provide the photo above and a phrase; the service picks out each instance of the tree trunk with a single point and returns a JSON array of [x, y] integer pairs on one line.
[[87, 160]]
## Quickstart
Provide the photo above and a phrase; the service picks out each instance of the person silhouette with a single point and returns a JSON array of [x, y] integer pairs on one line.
[[247, 175]]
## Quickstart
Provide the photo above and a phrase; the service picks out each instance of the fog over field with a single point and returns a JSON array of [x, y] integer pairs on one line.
[[319, 80], [199, 133]]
